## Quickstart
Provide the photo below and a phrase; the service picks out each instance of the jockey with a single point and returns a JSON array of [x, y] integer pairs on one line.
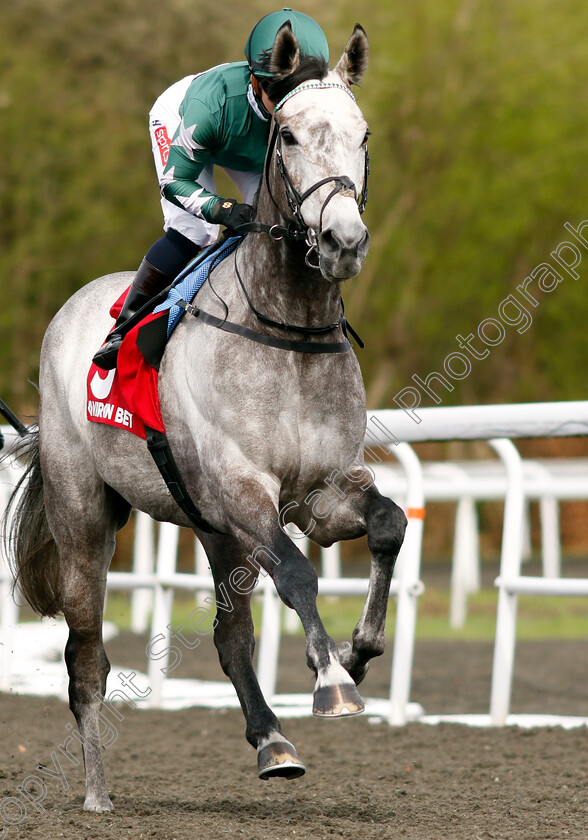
[[219, 117]]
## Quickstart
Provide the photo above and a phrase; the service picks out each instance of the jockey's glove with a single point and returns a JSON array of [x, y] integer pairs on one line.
[[230, 214]]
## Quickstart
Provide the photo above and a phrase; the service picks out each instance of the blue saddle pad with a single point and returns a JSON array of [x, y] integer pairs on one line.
[[190, 280]]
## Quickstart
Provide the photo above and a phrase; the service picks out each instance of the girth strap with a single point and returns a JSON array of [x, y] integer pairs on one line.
[[263, 338], [159, 447]]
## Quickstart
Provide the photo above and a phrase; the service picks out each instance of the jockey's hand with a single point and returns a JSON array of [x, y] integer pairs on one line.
[[230, 214]]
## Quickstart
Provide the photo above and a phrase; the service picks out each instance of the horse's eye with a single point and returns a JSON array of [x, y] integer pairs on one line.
[[365, 139], [288, 137]]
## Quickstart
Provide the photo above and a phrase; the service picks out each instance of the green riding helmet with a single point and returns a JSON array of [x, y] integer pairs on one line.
[[310, 37]]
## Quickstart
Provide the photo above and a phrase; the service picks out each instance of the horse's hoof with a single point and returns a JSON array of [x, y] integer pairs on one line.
[[279, 760], [337, 701], [100, 805]]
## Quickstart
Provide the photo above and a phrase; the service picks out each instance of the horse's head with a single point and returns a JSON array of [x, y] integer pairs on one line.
[[321, 154]]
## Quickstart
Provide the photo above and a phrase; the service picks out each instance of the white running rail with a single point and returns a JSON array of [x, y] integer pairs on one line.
[[155, 578]]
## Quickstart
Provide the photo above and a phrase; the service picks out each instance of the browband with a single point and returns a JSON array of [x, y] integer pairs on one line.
[[313, 86]]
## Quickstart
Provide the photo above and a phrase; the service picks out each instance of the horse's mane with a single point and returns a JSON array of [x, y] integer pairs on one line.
[[309, 68]]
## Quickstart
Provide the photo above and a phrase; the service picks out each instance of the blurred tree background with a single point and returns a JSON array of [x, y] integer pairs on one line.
[[479, 155]]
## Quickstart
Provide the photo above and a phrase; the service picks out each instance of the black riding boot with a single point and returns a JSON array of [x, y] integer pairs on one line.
[[148, 282]]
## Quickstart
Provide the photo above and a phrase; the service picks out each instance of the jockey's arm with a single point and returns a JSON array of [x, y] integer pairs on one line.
[[180, 185], [190, 154]]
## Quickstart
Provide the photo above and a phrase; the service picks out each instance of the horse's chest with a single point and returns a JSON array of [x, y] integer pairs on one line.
[[310, 426], [311, 448], [277, 413]]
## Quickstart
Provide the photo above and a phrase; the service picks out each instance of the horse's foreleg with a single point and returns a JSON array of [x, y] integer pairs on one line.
[[335, 694], [385, 525], [235, 642], [266, 544]]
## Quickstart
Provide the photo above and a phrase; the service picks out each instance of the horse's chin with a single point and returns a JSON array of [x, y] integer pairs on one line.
[[335, 271]]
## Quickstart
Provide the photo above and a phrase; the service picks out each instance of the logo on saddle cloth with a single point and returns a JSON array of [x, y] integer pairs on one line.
[[105, 402], [126, 397]]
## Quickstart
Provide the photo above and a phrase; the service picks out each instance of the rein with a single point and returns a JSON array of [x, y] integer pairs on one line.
[[274, 341], [278, 324], [342, 322]]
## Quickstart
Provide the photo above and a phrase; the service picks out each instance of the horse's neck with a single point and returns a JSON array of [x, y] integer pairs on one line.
[[278, 281]]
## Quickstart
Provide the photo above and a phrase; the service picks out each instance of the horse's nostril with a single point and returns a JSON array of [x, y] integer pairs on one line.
[[365, 242], [329, 241], [334, 244]]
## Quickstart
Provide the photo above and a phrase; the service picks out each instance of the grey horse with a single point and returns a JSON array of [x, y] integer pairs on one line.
[[263, 435]]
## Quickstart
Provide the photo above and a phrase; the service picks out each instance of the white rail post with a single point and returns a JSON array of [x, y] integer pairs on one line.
[[167, 549], [465, 566], [510, 567], [9, 609], [331, 563], [143, 557], [550, 536], [410, 586], [549, 519], [269, 642], [202, 568]]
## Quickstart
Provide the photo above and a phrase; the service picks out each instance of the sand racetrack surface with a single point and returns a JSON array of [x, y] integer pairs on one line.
[[190, 774]]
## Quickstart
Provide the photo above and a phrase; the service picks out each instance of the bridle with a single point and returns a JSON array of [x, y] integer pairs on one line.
[[298, 231], [342, 186]]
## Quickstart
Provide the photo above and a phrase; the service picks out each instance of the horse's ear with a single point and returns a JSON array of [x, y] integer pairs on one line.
[[285, 52], [353, 63]]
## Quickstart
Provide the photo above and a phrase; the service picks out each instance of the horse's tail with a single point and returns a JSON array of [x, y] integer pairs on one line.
[[31, 550]]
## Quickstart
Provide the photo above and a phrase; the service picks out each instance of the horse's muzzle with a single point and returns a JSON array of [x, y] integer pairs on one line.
[[342, 253]]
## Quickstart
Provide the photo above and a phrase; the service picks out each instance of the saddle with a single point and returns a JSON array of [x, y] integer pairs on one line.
[[127, 397]]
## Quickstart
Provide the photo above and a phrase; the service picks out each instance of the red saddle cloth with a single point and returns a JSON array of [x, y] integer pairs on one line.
[[126, 397]]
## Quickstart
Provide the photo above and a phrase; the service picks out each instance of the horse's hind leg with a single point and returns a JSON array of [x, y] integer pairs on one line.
[[88, 668], [83, 519], [235, 642]]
